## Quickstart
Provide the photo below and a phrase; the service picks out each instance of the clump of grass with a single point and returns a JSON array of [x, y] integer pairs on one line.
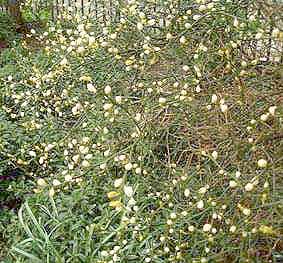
[[152, 139]]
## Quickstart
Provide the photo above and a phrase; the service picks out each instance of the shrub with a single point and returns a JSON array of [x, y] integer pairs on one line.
[[155, 138]]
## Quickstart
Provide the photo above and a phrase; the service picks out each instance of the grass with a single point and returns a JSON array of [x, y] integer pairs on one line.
[[145, 142]]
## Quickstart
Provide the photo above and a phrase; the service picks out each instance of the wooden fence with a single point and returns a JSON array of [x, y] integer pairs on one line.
[[98, 9]]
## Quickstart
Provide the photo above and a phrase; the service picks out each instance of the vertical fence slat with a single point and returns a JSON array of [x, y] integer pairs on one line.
[[52, 10], [95, 8], [82, 7], [76, 6], [110, 10], [104, 12], [62, 6]]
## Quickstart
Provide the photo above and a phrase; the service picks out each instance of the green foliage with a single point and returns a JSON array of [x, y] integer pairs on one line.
[[41, 15], [3, 2], [42, 12], [7, 27], [141, 141]]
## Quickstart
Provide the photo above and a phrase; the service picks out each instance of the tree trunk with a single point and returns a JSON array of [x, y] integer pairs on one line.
[[14, 7]]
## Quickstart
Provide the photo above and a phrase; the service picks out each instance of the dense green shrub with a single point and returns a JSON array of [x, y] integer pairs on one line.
[[142, 141]]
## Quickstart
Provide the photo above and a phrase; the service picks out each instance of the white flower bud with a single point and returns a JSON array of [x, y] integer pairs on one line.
[[200, 204], [224, 108], [206, 228], [214, 155], [183, 40], [249, 187], [90, 87], [187, 192], [139, 26], [118, 182], [128, 190], [246, 211], [32, 153], [56, 182], [272, 110], [262, 163], [85, 163], [41, 182], [264, 117], [233, 184], [107, 89], [214, 98], [162, 100], [128, 166], [51, 192], [232, 229], [186, 68]]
